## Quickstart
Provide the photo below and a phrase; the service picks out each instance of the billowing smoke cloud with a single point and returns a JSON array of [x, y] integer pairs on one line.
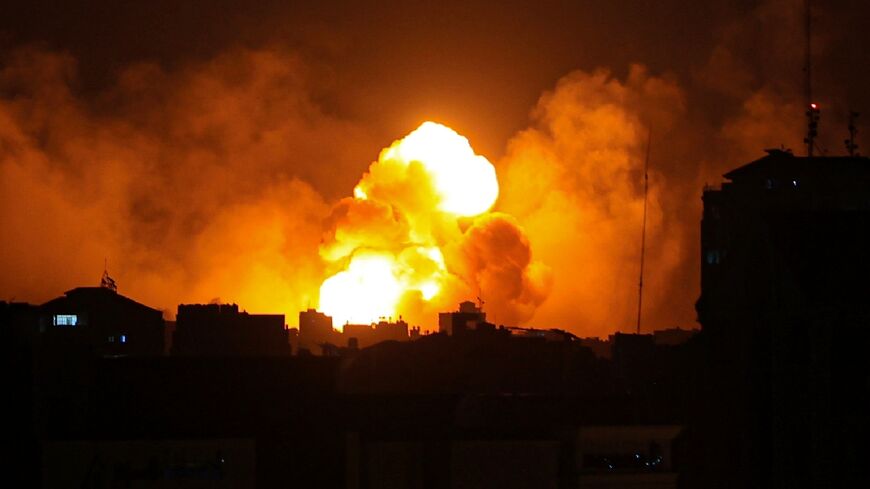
[[213, 181], [416, 238], [574, 181], [203, 182], [223, 177], [574, 178], [498, 260]]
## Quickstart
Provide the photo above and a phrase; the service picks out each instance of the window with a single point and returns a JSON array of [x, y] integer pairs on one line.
[[123, 338], [111, 339], [714, 257], [65, 320]]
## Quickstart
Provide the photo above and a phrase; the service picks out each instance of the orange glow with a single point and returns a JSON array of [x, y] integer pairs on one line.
[[374, 282], [365, 291], [465, 182], [404, 243]]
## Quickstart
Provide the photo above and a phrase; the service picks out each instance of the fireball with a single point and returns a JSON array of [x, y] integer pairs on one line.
[[430, 176], [464, 181], [366, 291]]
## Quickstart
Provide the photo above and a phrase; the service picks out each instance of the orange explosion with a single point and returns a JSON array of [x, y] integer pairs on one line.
[[405, 244]]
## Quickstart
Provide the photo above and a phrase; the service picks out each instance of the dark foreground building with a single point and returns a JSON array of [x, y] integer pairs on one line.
[[785, 283], [102, 321], [315, 329], [221, 330], [773, 392], [457, 323], [317, 336]]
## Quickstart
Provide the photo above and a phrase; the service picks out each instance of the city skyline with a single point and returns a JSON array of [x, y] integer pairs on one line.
[[435, 245]]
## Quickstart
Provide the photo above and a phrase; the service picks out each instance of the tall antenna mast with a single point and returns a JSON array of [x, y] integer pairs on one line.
[[643, 228], [850, 143], [812, 108], [808, 60]]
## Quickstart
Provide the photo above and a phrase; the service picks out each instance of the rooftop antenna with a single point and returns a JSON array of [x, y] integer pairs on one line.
[[480, 303], [850, 143], [106, 281], [643, 228], [812, 112]]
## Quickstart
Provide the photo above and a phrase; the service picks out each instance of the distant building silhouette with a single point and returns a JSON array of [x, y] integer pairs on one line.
[[632, 350], [317, 336], [785, 282], [457, 323], [102, 321], [601, 348], [673, 336], [370, 334], [220, 329], [315, 329]]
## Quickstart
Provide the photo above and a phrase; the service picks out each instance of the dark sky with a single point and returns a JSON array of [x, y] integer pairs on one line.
[[479, 65]]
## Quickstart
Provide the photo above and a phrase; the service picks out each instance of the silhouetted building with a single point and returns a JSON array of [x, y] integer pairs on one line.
[[19, 321], [317, 336], [391, 331], [17, 337], [457, 323], [785, 235], [102, 321], [220, 329], [168, 335], [673, 336], [315, 329], [293, 339], [370, 334], [784, 312], [363, 334], [629, 350], [601, 348]]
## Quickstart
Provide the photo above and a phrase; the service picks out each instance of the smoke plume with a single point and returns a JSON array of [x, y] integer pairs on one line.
[[237, 174], [416, 238], [207, 181]]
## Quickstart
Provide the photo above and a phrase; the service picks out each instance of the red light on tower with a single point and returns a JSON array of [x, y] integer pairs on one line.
[[812, 127]]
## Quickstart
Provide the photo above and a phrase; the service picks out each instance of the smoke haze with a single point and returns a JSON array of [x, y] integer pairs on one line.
[[215, 158]]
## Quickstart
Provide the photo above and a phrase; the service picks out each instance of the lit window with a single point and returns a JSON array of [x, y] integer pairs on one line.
[[714, 257], [65, 320], [111, 339], [123, 338]]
